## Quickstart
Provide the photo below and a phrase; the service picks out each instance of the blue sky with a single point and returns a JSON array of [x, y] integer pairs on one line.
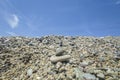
[[60, 17]]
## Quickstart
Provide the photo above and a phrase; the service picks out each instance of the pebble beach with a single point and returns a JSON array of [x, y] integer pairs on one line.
[[60, 58]]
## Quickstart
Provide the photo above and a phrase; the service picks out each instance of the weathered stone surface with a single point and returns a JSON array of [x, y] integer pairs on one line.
[[59, 51], [60, 58], [89, 76], [29, 72], [101, 75]]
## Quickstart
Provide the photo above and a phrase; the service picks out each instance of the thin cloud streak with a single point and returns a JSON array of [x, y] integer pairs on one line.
[[7, 11], [13, 21], [24, 19], [118, 2]]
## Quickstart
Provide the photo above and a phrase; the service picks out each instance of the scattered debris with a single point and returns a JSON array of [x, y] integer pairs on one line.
[[60, 58]]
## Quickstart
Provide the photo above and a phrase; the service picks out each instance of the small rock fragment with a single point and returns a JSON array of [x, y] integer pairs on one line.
[[78, 73], [89, 76], [117, 57], [101, 75], [101, 59], [84, 63], [58, 65], [45, 41], [59, 51], [38, 78], [29, 72], [62, 69]]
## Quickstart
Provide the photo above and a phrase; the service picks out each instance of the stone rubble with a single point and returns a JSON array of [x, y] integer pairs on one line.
[[60, 58]]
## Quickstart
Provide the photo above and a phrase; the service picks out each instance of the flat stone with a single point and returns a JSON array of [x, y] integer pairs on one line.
[[60, 58], [101, 75], [84, 63], [89, 76]]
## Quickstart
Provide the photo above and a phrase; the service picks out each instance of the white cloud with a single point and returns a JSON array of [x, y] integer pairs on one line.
[[12, 33], [13, 21]]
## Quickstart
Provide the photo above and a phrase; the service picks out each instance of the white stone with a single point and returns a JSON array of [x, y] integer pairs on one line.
[[84, 63], [101, 75], [38, 78], [89, 76], [29, 72]]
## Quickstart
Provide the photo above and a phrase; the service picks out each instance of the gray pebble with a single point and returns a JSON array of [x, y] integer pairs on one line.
[[100, 75], [84, 63], [89, 76], [59, 51]]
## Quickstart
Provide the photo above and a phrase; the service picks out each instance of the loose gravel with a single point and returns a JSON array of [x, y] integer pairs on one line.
[[60, 58]]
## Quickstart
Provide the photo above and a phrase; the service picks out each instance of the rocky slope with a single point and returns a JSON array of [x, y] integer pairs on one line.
[[60, 58]]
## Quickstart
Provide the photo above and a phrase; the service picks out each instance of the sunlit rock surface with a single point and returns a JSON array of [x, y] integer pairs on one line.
[[44, 58]]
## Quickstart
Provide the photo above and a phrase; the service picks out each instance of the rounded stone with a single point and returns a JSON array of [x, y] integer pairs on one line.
[[101, 75], [59, 51], [29, 72]]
